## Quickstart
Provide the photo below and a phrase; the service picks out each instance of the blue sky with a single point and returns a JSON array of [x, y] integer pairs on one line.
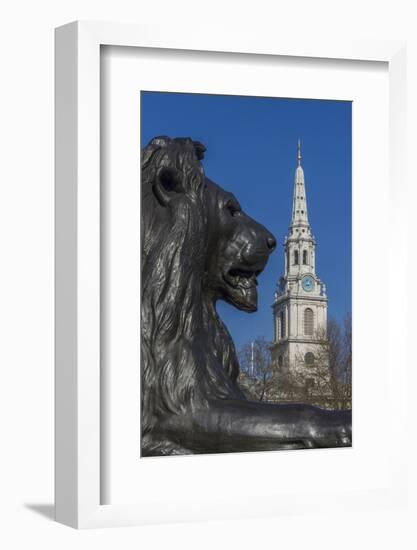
[[251, 150]]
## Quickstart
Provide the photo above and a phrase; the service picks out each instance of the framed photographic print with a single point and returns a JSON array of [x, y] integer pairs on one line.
[[223, 209], [295, 356]]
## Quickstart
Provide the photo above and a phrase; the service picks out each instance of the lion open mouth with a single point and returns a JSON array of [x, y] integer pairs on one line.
[[242, 278], [241, 287]]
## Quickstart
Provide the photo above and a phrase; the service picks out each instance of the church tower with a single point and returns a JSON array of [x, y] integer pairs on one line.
[[300, 306]]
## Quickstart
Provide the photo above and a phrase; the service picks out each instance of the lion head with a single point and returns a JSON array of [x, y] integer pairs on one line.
[[237, 252], [198, 246]]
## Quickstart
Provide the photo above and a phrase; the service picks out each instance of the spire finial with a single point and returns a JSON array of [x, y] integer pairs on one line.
[[299, 153]]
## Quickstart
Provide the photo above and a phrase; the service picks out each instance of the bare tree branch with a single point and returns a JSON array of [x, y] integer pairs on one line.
[[325, 382]]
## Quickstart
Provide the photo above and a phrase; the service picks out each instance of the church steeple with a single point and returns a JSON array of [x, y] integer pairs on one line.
[[299, 206], [300, 306]]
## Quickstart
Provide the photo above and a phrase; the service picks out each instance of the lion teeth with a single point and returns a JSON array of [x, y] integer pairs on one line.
[[241, 279], [247, 282]]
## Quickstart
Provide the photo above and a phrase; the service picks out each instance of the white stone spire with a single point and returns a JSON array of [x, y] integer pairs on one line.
[[300, 243], [300, 306], [299, 205]]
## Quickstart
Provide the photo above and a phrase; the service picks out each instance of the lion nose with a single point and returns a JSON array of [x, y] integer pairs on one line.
[[271, 242]]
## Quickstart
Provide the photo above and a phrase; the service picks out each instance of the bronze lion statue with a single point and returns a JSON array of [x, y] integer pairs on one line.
[[198, 246]]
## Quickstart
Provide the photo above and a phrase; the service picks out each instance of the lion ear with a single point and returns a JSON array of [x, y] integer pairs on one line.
[[200, 149], [167, 185]]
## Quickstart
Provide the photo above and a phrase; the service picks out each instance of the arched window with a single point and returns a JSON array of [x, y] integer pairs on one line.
[[305, 257], [309, 358], [280, 361], [308, 322], [295, 257], [282, 323]]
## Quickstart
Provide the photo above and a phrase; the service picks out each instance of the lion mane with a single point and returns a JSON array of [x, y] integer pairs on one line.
[[187, 354]]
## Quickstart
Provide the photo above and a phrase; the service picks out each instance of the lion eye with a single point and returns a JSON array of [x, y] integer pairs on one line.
[[233, 208]]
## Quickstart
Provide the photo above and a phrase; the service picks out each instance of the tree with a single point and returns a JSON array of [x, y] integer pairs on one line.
[[326, 379], [323, 379]]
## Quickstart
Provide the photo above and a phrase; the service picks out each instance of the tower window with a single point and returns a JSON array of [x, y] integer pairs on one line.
[[282, 323], [309, 358], [295, 257], [304, 256], [308, 322]]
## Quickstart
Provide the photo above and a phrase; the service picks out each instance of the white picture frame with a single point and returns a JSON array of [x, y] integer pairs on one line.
[[78, 410]]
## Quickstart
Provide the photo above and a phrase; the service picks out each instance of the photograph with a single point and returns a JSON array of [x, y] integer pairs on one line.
[[246, 273]]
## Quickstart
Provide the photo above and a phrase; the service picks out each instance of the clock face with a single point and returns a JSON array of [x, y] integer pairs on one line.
[[308, 283]]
